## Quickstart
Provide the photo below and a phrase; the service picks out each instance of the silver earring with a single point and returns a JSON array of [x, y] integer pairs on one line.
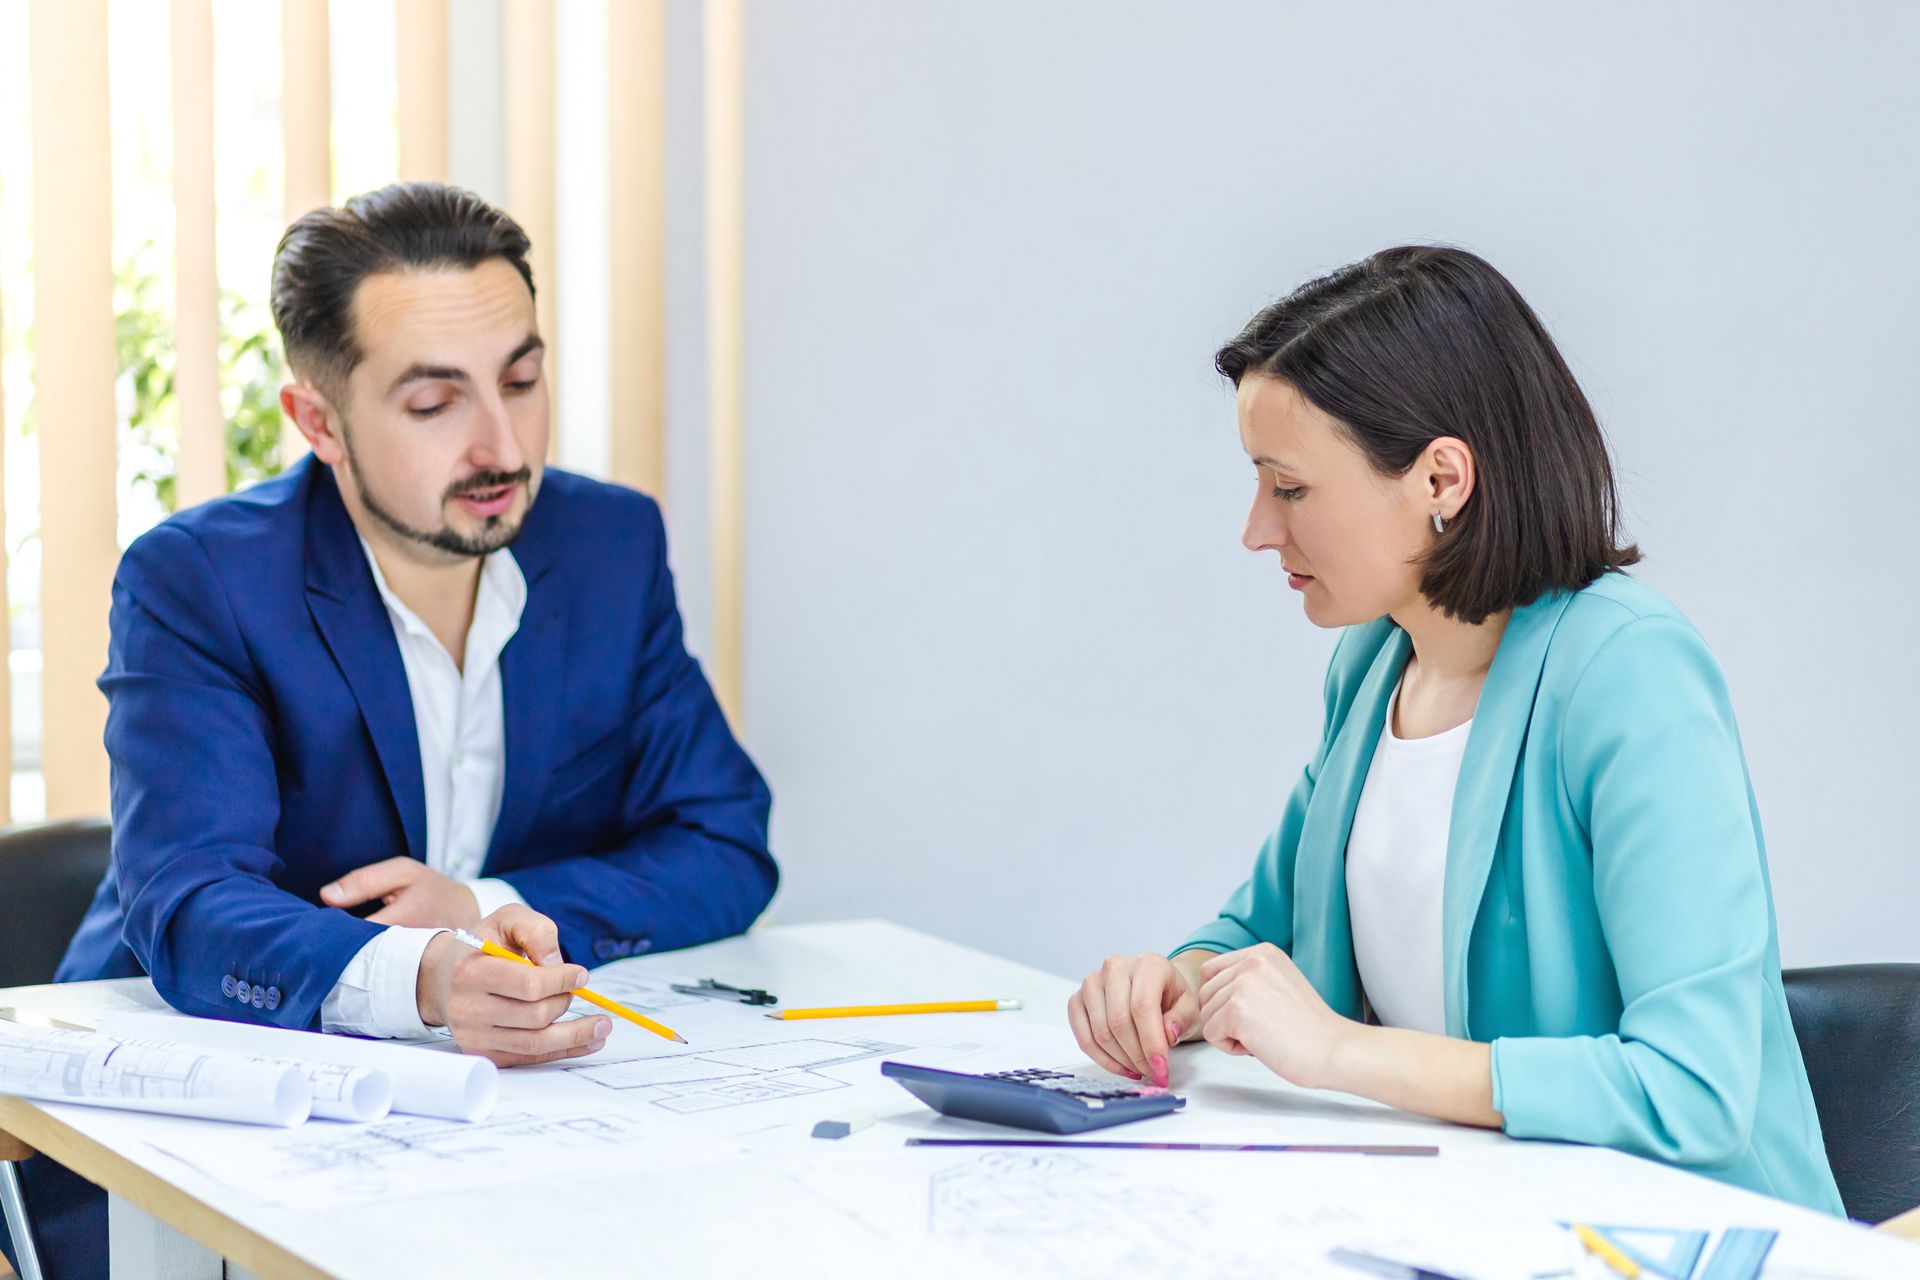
[[1439, 525]]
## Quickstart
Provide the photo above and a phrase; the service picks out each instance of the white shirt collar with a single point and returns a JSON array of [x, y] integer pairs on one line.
[[496, 609]]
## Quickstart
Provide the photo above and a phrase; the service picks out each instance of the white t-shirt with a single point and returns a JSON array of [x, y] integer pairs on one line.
[[1396, 873]]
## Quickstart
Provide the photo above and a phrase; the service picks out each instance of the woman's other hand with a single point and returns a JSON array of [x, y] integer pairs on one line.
[[1256, 1001]]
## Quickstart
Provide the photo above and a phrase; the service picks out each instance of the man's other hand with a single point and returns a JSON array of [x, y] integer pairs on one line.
[[413, 894]]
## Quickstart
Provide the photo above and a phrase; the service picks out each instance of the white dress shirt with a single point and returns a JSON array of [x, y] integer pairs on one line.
[[1396, 873], [459, 712]]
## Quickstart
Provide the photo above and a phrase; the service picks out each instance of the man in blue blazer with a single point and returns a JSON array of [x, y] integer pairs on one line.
[[419, 673]]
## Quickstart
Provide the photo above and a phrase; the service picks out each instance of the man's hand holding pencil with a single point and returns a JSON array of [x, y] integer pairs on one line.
[[507, 1010]]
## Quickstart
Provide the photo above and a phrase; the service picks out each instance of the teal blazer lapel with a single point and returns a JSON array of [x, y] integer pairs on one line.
[[1487, 770], [1323, 938]]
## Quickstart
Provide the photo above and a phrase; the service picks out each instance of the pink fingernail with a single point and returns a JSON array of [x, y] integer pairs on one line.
[[1173, 1032], [1131, 1075], [1159, 1065]]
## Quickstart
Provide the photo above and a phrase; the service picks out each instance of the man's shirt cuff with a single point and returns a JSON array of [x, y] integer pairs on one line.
[[377, 993], [493, 894]]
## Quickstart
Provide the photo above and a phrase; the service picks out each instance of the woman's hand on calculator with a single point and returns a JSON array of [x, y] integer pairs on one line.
[[1129, 1010]]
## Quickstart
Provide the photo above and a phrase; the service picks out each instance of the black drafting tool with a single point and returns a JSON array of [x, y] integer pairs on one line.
[[716, 990]]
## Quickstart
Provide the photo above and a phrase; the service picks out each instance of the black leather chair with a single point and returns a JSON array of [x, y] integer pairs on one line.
[[1859, 1030], [48, 874]]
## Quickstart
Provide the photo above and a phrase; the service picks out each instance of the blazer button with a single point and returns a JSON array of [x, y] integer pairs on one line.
[[259, 1000], [227, 986], [639, 946], [606, 949], [242, 992], [273, 997]]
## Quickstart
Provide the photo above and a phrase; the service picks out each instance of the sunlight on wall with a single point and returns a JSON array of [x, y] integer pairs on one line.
[[581, 226], [249, 182], [366, 133], [22, 447]]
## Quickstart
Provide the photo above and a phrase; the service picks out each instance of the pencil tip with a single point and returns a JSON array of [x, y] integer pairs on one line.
[[678, 1039]]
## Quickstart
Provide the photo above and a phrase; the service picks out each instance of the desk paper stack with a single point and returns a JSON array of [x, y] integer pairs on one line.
[[172, 1065]]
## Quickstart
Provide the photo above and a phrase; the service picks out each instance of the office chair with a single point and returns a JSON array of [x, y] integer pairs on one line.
[[1859, 1031], [48, 875]]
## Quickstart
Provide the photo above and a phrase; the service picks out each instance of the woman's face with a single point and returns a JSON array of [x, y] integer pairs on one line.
[[1348, 537]]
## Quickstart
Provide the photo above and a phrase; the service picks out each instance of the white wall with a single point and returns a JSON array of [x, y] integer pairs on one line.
[[1009, 671], [476, 104]]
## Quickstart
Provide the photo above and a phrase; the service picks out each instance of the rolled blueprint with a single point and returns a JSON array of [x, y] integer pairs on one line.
[[426, 1081], [80, 1066], [339, 1092]]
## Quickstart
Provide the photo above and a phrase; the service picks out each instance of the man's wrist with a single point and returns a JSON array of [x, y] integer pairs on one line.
[[434, 981]]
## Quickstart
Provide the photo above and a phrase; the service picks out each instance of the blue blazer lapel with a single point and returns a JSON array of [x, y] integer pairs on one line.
[[1323, 930], [531, 667], [1500, 721], [346, 607]]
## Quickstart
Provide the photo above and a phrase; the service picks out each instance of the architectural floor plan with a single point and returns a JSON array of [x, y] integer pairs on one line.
[[735, 1075]]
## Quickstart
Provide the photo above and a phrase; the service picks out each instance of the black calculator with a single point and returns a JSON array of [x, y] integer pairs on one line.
[[1035, 1098]]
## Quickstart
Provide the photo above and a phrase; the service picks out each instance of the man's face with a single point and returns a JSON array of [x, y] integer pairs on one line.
[[444, 425]]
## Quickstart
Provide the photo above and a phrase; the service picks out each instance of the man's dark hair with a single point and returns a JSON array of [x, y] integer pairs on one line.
[[1419, 342], [325, 255]]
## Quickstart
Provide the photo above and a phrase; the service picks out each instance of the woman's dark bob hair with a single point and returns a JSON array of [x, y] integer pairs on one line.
[[1420, 342]]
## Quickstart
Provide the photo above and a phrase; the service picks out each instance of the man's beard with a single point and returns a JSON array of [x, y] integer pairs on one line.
[[494, 534]]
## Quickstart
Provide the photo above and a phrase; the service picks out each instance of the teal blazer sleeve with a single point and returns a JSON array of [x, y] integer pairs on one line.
[[1607, 923], [1655, 777]]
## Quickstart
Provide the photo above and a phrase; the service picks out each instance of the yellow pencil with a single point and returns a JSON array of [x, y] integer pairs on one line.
[[1604, 1249], [880, 1010], [611, 1006]]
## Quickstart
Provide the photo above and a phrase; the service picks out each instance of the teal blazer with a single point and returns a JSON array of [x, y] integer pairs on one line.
[[1607, 921]]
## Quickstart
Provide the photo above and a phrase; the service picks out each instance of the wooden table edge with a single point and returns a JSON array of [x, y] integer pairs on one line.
[[1905, 1226], [153, 1194]]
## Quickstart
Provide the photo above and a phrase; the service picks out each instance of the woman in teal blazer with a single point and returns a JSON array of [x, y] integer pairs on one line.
[[1607, 965]]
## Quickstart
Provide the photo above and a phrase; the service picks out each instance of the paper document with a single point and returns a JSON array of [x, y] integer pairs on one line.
[[742, 1073], [425, 1081], [640, 1102], [326, 1166], [84, 1067], [1098, 1213]]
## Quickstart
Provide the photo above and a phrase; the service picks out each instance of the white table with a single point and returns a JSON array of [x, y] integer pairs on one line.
[[746, 1213]]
